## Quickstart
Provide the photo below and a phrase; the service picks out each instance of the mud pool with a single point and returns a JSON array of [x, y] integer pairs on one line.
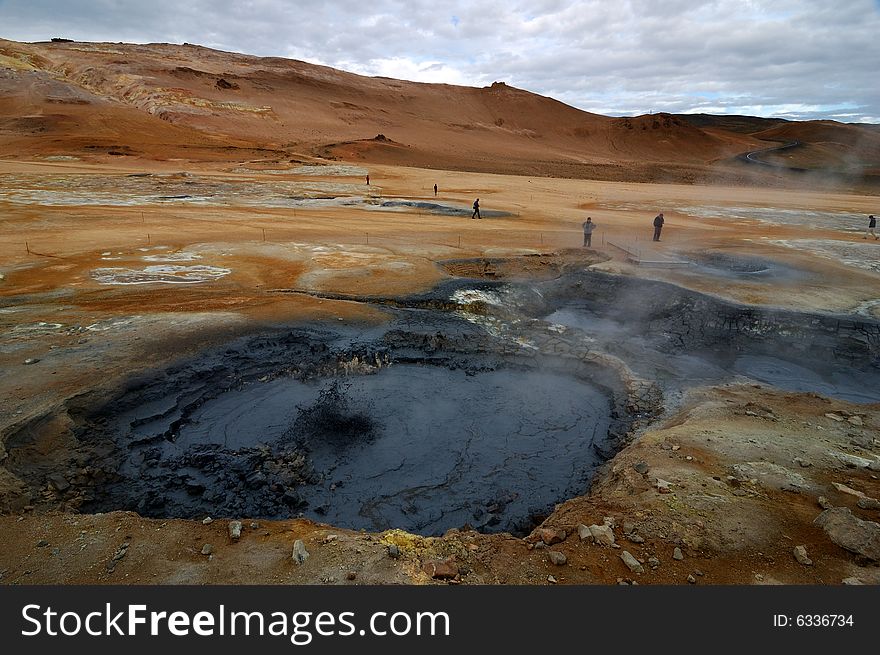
[[421, 447], [479, 403]]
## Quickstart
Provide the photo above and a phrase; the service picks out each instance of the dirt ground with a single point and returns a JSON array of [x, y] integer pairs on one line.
[[733, 496]]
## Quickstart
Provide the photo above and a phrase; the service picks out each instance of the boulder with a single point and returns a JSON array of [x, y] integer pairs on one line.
[[602, 535], [850, 532], [631, 562], [300, 554], [441, 569]]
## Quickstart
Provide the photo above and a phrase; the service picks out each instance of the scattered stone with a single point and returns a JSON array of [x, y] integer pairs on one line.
[[551, 536], [868, 503], [255, 525], [692, 579], [850, 532], [42, 543], [300, 554], [803, 463], [207, 549], [636, 539], [631, 562], [759, 577], [855, 420], [117, 557], [677, 554], [842, 488], [602, 535], [834, 417], [800, 554], [653, 562], [557, 558], [551, 579], [663, 486], [207, 520], [540, 545], [58, 482], [852, 581], [824, 503], [641, 467], [234, 529], [394, 551], [440, 569], [330, 538], [584, 533]]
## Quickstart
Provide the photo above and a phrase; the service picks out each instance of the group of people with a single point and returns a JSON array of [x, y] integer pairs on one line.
[[589, 226]]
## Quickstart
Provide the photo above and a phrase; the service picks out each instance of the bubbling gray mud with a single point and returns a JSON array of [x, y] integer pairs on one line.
[[414, 437]]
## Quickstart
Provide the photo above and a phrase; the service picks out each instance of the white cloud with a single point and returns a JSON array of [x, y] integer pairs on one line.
[[793, 58]]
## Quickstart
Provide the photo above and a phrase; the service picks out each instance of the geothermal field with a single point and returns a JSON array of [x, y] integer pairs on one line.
[[235, 315]]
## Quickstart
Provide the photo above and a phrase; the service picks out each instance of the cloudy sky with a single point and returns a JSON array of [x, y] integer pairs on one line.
[[786, 58]]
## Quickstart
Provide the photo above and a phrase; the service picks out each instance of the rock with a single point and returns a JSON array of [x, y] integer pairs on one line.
[[207, 549], [692, 579], [300, 554], [234, 528], [441, 569], [330, 538], [631, 562], [653, 562], [854, 461], [42, 543], [824, 502], [850, 532], [602, 535], [855, 420], [58, 482], [834, 417], [677, 554], [394, 551], [868, 503], [800, 554], [255, 525], [803, 463], [207, 520], [551, 536], [852, 581], [31, 360], [551, 579], [663, 486], [557, 558], [351, 575], [641, 467], [584, 533], [842, 488], [636, 539]]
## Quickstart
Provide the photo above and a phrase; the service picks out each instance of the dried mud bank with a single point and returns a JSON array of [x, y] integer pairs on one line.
[[725, 426]]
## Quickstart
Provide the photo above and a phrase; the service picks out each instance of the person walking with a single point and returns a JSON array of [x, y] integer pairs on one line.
[[435, 190], [658, 226], [589, 226], [872, 223], [476, 213]]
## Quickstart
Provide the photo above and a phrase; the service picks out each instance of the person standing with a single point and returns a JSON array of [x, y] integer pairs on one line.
[[658, 226], [476, 213], [368, 180], [589, 226], [435, 190], [872, 223]]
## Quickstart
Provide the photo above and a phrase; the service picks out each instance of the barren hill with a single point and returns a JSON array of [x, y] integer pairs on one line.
[[168, 101]]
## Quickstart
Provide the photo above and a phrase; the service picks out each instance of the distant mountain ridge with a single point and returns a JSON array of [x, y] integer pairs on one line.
[[157, 101]]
